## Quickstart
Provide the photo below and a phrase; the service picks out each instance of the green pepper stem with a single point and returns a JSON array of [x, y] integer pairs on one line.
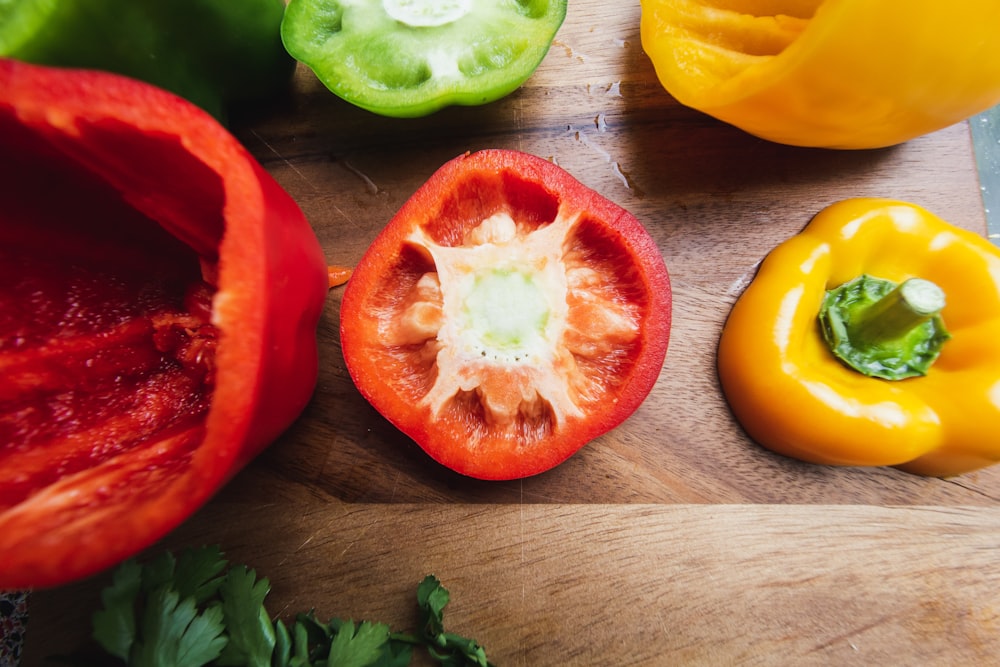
[[882, 329], [906, 307]]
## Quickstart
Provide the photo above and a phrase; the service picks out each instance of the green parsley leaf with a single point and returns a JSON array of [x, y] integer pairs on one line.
[[316, 634], [159, 572], [395, 653], [174, 634], [191, 611], [114, 624], [432, 598], [282, 655], [251, 633], [197, 573], [301, 657], [360, 647], [449, 649]]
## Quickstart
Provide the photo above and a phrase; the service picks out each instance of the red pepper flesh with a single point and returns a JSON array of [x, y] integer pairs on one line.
[[159, 296], [507, 315]]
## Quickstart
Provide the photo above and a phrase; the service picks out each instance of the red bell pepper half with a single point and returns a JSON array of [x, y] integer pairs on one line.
[[506, 316], [159, 297]]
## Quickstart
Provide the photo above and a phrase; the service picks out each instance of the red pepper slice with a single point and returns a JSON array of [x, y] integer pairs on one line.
[[159, 296], [506, 316]]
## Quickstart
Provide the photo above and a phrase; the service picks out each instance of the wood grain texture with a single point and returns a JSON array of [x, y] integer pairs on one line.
[[557, 584], [674, 539]]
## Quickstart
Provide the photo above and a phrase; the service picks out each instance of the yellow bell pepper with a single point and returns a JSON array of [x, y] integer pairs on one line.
[[828, 73], [793, 395]]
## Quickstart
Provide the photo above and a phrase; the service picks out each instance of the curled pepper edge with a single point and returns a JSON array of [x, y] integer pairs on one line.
[[338, 275]]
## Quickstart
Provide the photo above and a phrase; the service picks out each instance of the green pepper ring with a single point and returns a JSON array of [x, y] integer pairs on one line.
[[410, 58]]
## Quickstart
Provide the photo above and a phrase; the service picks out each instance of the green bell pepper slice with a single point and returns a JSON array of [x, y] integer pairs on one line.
[[410, 58], [214, 53]]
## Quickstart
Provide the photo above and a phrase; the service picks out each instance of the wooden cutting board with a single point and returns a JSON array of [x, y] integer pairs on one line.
[[673, 539]]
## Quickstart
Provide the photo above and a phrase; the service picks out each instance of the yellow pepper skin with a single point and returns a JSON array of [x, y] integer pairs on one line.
[[794, 397], [847, 74]]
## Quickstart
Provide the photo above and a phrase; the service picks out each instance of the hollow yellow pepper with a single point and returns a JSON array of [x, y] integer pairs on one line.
[[828, 73], [793, 396]]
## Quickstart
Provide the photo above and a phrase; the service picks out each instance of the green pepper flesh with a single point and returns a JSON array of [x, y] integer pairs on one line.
[[214, 53], [410, 58]]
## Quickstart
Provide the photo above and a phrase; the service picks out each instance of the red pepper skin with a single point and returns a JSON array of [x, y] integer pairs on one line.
[[397, 379], [82, 132]]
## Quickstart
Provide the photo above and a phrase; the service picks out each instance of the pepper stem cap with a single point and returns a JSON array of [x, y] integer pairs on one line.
[[883, 329]]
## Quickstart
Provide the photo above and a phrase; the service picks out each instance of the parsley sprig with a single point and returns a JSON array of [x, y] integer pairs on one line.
[[193, 609]]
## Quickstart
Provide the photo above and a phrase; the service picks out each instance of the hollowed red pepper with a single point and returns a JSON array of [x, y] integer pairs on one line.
[[159, 294]]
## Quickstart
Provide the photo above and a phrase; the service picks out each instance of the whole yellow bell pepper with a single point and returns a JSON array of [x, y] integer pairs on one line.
[[828, 73], [793, 395]]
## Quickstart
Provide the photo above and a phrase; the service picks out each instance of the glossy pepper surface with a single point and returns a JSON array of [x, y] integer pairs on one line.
[[159, 294], [215, 53], [409, 58], [506, 316], [792, 395], [828, 73]]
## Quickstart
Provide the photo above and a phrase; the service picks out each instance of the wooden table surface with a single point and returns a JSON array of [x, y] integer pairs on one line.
[[672, 540]]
